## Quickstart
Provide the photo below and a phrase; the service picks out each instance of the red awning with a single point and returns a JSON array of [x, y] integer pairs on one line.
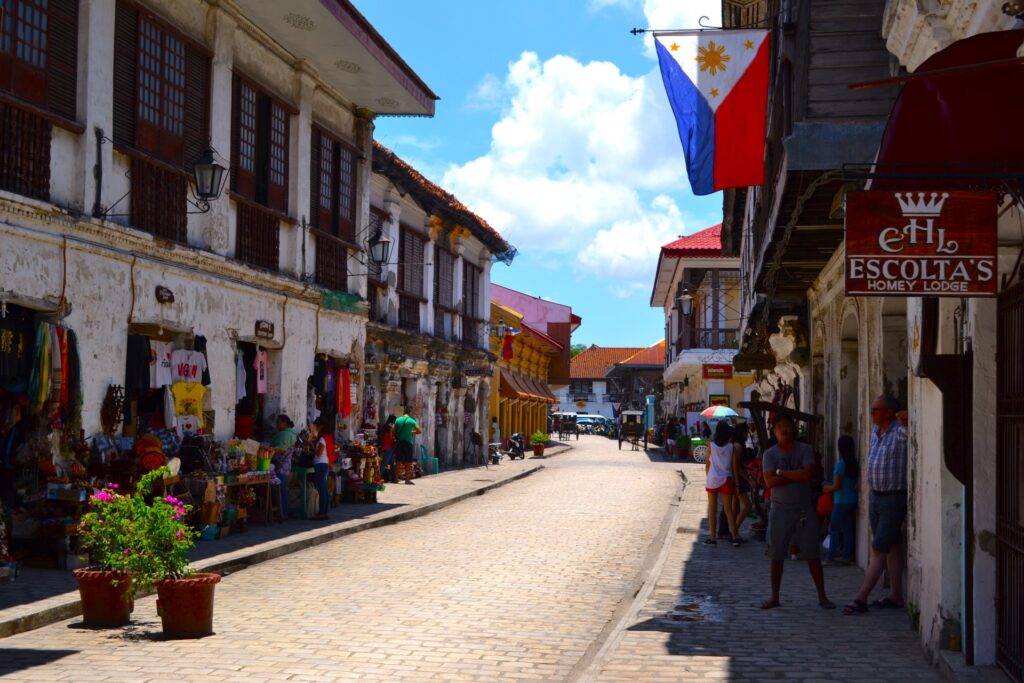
[[962, 122]]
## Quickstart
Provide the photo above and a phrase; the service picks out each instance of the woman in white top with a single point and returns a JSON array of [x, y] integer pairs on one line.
[[720, 471]]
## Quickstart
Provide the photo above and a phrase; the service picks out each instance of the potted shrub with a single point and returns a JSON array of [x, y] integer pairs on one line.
[[539, 441], [146, 538]]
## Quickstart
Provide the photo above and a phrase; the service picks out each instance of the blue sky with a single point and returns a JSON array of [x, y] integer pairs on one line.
[[554, 127]]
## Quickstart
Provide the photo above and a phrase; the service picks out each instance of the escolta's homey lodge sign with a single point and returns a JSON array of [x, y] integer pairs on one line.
[[921, 244]]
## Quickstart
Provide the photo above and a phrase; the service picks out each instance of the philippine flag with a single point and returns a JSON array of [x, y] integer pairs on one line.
[[717, 84]]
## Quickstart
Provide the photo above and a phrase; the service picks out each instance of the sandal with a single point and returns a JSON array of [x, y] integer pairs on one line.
[[826, 604], [770, 604], [855, 607], [736, 543], [710, 541], [888, 603]]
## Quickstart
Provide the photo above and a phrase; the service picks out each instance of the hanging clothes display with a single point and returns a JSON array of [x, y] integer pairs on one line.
[[39, 381], [188, 399], [259, 364], [199, 344], [240, 377], [161, 365], [187, 366], [344, 392]]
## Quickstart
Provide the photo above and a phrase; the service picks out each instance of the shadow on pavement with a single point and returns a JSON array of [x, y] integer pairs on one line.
[[713, 612], [13, 660]]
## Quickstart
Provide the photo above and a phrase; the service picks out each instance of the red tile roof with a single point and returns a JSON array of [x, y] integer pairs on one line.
[[707, 242], [595, 362], [387, 162], [652, 355]]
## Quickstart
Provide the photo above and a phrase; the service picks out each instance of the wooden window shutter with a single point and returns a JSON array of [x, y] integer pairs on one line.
[[277, 185], [197, 104], [126, 22], [346, 172], [418, 257], [243, 140], [62, 56], [326, 178], [314, 178]]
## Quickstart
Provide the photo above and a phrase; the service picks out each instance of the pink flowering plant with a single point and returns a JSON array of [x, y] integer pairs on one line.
[[139, 533]]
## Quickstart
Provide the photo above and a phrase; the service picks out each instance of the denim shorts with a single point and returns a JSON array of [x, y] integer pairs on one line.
[[886, 512]]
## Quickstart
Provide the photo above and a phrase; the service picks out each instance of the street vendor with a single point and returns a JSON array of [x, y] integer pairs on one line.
[[286, 434]]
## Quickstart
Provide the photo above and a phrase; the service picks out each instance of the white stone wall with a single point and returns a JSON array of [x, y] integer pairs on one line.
[[914, 30]]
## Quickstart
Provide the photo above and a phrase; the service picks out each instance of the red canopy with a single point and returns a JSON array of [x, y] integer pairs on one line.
[[963, 121]]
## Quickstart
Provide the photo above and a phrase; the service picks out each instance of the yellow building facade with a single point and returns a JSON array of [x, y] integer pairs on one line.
[[520, 397]]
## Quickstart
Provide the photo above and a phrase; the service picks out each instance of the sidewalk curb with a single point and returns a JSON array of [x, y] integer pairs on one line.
[[68, 605], [589, 665]]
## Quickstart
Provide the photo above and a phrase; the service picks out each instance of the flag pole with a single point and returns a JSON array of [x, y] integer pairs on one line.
[[703, 24]]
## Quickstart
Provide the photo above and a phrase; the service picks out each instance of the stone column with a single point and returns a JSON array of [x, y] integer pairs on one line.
[[216, 226], [457, 426], [393, 209], [95, 99], [457, 329], [364, 139], [427, 309], [299, 169]]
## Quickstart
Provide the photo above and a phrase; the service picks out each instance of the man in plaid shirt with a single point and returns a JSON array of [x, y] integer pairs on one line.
[[887, 505]]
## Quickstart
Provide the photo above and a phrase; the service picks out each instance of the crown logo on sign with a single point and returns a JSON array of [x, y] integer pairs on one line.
[[924, 208]]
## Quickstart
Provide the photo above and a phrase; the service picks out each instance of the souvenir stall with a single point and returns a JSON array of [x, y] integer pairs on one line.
[[333, 389], [43, 454]]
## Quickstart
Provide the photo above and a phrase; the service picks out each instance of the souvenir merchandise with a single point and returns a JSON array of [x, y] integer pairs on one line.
[[259, 364], [160, 365], [187, 366]]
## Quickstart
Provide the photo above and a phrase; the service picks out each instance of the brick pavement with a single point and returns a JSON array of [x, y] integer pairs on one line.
[[716, 631], [514, 585], [42, 596]]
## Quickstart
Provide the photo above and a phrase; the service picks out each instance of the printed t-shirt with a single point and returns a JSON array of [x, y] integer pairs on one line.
[[795, 493], [187, 366], [259, 364], [160, 364], [188, 399], [328, 450], [847, 493], [404, 428]]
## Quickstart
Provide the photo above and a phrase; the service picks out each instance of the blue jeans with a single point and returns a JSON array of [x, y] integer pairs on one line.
[[320, 471], [841, 531], [387, 465]]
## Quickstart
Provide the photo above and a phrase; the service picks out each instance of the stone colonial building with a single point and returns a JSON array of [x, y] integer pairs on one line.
[[952, 361], [698, 288], [428, 342], [113, 104]]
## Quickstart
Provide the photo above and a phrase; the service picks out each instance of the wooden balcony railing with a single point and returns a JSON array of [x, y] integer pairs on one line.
[[158, 199], [259, 236], [24, 152], [707, 338], [331, 262], [444, 323], [472, 333], [409, 313]]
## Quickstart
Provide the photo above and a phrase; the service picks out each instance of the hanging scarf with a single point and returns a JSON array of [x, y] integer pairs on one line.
[[345, 392], [39, 381]]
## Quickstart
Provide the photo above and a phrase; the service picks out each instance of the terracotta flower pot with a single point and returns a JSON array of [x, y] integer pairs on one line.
[[538, 449], [185, 606], [105, 604]]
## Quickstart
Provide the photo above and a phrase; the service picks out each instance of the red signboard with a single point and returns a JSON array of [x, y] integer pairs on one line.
[[717, 371], [921, 244]]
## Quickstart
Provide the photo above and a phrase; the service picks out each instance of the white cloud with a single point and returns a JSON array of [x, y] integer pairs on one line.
[[585, 161], [627, 251], [597, 5], [489, 93]]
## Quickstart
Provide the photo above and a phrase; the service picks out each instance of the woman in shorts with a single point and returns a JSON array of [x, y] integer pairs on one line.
[[720, 472]]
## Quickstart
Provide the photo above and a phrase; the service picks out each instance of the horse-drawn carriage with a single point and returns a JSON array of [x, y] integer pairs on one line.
[[632, 429], [564, 424]]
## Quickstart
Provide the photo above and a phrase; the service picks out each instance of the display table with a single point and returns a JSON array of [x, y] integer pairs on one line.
[[259, 482]]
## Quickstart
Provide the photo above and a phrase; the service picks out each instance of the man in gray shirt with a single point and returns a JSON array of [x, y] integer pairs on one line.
[[789, 471]]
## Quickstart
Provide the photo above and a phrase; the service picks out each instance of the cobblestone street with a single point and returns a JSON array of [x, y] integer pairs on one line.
[[533, 581]]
